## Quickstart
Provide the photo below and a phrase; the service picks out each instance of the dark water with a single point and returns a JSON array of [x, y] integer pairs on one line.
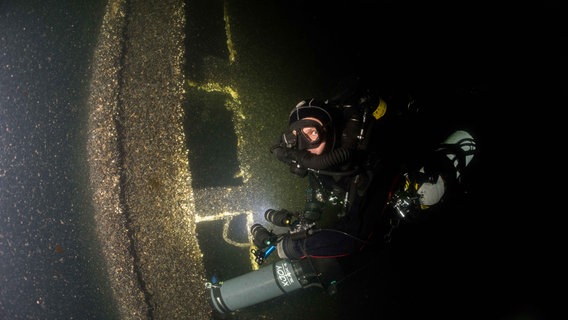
[[50, 260]]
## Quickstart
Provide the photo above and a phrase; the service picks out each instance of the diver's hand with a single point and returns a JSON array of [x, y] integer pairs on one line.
[[292, 158], [288, 155], [281, 154]]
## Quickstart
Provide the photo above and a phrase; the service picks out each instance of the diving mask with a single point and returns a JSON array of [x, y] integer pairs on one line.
[[304, 134]]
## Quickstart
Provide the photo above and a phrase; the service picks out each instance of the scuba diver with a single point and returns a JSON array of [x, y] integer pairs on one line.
[[337, 145], [367, 173]]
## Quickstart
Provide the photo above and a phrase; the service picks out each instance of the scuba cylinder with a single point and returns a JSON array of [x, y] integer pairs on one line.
[[282, 277]]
